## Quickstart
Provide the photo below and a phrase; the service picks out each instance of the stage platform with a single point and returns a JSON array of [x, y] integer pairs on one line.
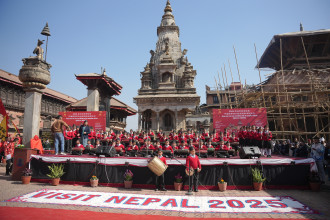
[[281, 172]]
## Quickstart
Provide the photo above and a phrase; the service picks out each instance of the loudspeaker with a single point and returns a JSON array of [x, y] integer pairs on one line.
[[249, 152], [107, 151]]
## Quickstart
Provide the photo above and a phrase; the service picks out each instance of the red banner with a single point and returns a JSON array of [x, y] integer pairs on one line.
[[233, 119], [96, 119]]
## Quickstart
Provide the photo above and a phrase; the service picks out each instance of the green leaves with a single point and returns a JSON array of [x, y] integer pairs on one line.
[[56, 171], [257, 175]]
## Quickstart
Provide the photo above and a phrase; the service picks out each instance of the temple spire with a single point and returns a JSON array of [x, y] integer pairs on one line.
[[168, 6], [168, 18]]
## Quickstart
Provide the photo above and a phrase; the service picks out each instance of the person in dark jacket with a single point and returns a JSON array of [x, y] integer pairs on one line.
[[84, 130]]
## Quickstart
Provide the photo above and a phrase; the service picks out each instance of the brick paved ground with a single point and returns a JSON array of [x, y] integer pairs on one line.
[[319, 201]]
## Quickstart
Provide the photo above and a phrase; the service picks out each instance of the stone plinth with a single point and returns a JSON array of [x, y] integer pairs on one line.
[[93, 100]]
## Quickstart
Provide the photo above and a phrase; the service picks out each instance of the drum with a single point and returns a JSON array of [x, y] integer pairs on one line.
[[182, 151], [77, 151], [190, 172], [157, 166], [210, 150]]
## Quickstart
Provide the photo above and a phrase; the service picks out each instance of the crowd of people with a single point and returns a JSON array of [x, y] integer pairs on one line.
[[175, 143]]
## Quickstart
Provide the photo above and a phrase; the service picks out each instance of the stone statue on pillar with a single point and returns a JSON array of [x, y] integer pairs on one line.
[[34, 76], [39, 51]]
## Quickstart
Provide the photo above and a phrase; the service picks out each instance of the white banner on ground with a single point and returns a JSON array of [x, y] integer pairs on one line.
[[250, 204]]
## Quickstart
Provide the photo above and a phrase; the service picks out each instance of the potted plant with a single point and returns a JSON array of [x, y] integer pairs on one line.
[[94, 181], [222, 185], [257, 179], [178, 182], [56, 171], [314, 181], [26, 177], [128, 179]]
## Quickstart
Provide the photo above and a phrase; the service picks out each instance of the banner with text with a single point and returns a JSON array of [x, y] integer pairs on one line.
[[247, 204], [233, 119], [96, 119]]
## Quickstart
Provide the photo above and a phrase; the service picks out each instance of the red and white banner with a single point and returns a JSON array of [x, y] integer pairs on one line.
[[96, 119], [248, 204], [233, 119]]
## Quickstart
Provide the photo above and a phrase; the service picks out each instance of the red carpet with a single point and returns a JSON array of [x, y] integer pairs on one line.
[[27, 213]]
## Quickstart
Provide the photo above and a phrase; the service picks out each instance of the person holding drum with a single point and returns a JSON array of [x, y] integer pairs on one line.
[[167, 147], [193, 167], [160, 180]]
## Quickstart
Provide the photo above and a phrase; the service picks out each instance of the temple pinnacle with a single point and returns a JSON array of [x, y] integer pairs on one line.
[[168, 6]]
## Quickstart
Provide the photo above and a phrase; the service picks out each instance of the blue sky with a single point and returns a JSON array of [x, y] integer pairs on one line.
[[118, 35]]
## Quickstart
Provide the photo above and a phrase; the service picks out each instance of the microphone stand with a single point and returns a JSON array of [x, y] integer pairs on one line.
[[189, 193]]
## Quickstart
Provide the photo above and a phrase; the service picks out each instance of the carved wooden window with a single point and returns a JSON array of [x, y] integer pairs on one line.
[[168, 121]]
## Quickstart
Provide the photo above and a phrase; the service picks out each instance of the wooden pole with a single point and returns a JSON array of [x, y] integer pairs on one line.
[[262, 89], [218, 94], [224, 86], [239, 76], [232, 79], [229, 96]]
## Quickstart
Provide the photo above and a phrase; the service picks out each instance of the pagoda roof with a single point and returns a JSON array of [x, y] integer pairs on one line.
[[14, 80], [114, 104], [104, 83], [315, 42]]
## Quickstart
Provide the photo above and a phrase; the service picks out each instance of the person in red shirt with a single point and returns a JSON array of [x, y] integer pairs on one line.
[[267, 145], [160, 180], [92, 136], [79, 145], [9, 153], [89, 144], [167, 146], [158, 146], [193, 162], [97, 143], [120, 149], [147, 147], [132, 148], [68, 136]]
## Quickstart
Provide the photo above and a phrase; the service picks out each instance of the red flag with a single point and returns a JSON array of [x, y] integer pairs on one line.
[[2, 109], [4, 122]]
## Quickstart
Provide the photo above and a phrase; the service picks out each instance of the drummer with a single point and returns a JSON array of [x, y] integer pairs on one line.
[[160, 180], [193, 162]]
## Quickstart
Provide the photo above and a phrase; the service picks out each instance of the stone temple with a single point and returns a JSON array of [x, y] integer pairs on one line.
[[167, 92]]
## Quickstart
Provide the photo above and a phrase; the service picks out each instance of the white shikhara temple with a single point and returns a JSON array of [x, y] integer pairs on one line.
[[167, 92]]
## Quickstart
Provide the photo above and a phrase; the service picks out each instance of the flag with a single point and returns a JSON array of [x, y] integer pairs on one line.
[[2, 109], [4, 122], [4, 128]]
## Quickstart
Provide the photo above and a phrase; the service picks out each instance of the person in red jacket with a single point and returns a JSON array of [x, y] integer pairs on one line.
[[9, 153], [160, 180], [167, 146], [92, 136], [68, 136], [120, 149], [267, 145], [132, 148], [192, 161], [79, 145]]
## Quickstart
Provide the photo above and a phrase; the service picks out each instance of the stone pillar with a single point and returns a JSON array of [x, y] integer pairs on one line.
[[139, 121], [93, 99], [157, 121], [176, 120], [31, 116], [34, 75], [107, 109]]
